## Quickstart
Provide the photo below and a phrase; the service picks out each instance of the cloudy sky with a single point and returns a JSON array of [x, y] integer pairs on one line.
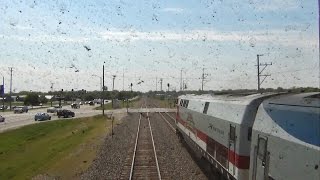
[[67, 42]]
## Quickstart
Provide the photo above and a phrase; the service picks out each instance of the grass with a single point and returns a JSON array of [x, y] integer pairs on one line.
[[164, 103], [60, 148]]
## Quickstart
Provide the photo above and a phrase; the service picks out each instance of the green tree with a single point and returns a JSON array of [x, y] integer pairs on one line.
[[32, 99], [43, 99], [88, 97]]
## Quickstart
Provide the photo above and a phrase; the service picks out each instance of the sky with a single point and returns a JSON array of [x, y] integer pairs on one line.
[[64, 44]]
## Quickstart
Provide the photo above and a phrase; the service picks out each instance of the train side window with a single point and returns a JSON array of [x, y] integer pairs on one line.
[[187, 103], [232, 133], [262, 147], [249, 133], [206, 106]]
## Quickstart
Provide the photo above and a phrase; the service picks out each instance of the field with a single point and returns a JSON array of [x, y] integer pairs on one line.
[[163, 103], [60, 148]]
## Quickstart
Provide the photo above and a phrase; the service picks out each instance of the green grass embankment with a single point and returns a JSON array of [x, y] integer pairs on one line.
[[59, 148]]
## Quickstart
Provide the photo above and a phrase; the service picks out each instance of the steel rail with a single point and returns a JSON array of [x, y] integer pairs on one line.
[[154, 147], [135, 149], [173, 129]]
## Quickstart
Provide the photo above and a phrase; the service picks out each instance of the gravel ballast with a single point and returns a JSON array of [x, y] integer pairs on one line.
[[175, 159], [112, 154]]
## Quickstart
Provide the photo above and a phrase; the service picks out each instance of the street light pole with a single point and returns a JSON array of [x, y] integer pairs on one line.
[[2, 93], [103, 89], [10, 87]]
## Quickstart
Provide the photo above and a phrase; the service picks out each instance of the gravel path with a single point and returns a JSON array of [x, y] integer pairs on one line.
[[111, 157]]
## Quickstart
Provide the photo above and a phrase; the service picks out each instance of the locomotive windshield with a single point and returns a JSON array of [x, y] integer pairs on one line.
[[149, 89]]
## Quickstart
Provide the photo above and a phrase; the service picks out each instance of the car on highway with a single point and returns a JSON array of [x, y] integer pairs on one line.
[[75, 105], [42, 117], [65, 113], [3, 107], [2, 118], [53, 109], [91, 103], [20, 109]]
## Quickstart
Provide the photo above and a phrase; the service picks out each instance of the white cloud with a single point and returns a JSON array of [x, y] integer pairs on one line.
[[286, 38], [172, 10], [292, 38], [45, 38]]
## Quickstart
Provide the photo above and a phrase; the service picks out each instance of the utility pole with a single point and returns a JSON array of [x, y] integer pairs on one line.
[[259, 72], [123, 80], [161, 84], [103, 89], [2, 93], [181, 83], [203, 77], [168, 94], [113, 78], [156, 83], [10, 86], [51, 89]]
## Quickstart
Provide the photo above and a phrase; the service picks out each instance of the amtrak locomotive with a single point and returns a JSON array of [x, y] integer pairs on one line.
[[258, 136]]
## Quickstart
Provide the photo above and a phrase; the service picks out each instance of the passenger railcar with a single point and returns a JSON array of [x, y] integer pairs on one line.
[[220, 128]]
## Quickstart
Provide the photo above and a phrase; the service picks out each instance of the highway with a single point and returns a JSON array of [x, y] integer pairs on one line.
[[13, 121], [17, 120]]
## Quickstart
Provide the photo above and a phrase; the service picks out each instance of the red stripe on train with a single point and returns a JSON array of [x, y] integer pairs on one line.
[[202, 136], [241, 162]]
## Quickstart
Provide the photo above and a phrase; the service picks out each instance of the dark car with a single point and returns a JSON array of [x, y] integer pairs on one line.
[[2, 118], [65, 113], [91, 103], [21, 109], [42, 117]]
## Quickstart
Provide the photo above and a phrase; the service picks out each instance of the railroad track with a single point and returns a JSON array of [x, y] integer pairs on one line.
[[144, 163], [171, 122]]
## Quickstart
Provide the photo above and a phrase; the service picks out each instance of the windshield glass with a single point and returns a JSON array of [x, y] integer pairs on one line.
[[100, 68]]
